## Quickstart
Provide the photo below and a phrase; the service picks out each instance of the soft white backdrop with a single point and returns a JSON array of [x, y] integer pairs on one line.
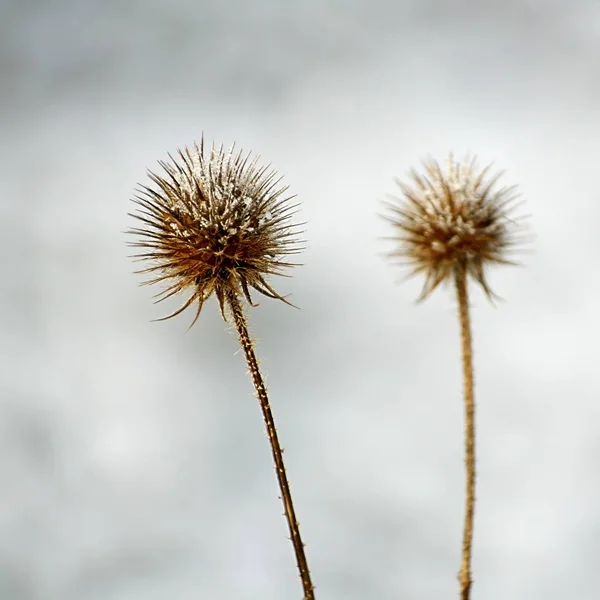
[[133, 459]]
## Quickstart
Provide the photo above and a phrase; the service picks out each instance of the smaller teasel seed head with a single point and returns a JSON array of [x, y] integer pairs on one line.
[[214, 222], [453, 219]]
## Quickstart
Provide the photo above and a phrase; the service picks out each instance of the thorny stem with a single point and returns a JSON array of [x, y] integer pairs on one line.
[[467, 360], [261, 391]]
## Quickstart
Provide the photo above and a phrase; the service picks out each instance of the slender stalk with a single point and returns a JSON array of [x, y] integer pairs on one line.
[[261, 392], [467, 360]]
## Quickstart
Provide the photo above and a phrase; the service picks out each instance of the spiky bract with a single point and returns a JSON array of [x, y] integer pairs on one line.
[[214, 222], [453, 219]]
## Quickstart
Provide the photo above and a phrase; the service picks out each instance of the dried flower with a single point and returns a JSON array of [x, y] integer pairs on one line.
[[454, 219], [450, 226], [220, 224], [214, 224]]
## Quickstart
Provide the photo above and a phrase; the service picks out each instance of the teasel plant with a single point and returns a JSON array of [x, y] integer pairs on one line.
[[450, 225], [215, 222]]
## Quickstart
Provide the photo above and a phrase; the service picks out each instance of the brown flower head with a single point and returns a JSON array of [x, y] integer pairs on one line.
[[451, 219], [214, 222]]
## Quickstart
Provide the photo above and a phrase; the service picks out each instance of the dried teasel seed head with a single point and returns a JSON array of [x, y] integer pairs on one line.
[[214, 222], [454, 219]]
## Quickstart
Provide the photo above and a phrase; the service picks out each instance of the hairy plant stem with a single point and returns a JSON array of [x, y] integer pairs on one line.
[[261, 392], [467, 360]]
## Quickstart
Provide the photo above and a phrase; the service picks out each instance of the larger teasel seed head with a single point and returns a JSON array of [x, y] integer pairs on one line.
[[214, 222], [453, 218]]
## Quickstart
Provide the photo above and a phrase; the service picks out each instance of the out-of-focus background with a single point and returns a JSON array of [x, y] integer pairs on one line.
[[133, 459]]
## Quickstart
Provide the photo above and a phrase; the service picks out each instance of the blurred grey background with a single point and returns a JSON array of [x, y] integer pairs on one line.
[[133, 459]]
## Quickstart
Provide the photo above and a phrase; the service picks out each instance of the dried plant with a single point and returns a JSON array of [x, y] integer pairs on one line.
[[451, 224], [217, 223]]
